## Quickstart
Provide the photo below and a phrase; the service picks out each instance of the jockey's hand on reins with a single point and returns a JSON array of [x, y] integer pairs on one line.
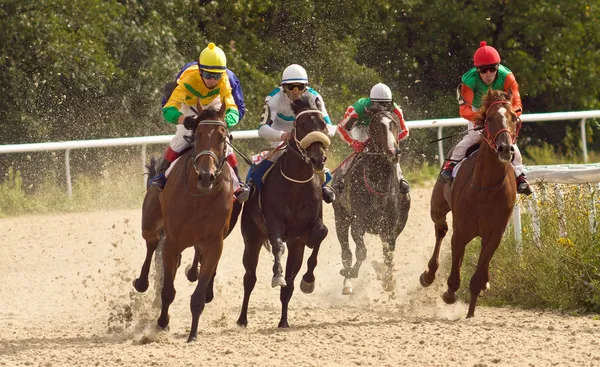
[[189, 122]]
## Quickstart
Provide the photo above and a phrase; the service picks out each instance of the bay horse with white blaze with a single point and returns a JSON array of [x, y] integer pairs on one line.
[[288, 209], [481, 198], [371, 201], [195, 209]]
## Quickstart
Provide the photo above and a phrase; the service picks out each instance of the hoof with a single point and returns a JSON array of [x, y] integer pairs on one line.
[[192, 276], [307, 287], [278, 282], [423, 281], [449, 298], [242, 323], [389, 284], [140, 286], [163, 323], [191, 339], [347, 291], [283, 325]]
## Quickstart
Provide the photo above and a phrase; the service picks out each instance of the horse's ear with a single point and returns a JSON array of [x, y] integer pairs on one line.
[[490, 94], [509, 95], [222, 110], [318, 104]]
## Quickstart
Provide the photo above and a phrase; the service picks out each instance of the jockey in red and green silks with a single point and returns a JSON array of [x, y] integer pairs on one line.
[[354, 127], [486, 74]]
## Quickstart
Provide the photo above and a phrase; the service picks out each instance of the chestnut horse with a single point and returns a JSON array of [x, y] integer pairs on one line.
[[481, 198], [288, 209], [194, 209], [372, 201]]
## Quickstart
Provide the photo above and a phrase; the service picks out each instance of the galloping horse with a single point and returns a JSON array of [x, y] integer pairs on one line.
[[482, 197], [288, 209], [194, 209], [372, 201]]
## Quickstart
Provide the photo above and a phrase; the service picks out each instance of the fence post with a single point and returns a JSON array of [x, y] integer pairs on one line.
[[517, 227], [592, 215], [68, 173], [535, 220], [144, 168], [562, 220], [584, 141], [441, 146]]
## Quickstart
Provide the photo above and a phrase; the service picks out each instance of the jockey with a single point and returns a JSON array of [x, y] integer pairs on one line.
[[487, 74], [354, 128], [278, 121], [211, 82]]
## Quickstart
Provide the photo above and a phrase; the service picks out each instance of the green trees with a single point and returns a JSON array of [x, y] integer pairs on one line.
[[89, 69]]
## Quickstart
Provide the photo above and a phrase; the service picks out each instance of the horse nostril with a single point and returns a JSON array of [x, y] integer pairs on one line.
[[512, 148], [313, 160], [324, 159], [501, 148], [211, 178]]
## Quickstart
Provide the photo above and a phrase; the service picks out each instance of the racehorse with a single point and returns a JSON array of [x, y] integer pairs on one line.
[[288, 209], [372, 201], [481, 198], [194, 209]]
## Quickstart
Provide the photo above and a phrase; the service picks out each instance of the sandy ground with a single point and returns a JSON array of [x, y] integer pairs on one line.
[[66, 300]]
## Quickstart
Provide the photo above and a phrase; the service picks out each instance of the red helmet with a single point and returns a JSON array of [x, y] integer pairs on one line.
[[485, 55]]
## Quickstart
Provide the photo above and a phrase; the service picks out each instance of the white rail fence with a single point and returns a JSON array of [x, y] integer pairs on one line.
[[578, 174], [67, 146]]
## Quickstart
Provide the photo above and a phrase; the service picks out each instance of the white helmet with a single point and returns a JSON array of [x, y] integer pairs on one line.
[[380, 93], [294, 74]]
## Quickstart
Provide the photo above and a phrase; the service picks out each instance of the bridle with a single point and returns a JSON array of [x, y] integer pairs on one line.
[[491, 139]]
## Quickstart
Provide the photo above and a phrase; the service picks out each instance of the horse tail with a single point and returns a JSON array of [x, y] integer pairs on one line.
[[152, 168]]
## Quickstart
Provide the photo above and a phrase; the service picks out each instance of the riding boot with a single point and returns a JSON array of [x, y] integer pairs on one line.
[[328, 194], [243, 193], [523, 186], [404, 186], [160, 180], [446, 173]]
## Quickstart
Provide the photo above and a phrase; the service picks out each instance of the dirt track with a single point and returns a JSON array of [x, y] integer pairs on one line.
[[66, 300]]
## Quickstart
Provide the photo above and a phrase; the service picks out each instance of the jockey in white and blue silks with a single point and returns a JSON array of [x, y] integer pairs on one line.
[[277, 122]]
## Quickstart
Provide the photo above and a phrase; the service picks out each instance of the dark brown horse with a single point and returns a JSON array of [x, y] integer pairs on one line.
[[194, 209], [482, 197], [371, 200], [288, 210]]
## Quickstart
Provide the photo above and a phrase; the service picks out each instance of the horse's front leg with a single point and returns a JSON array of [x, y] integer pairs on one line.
[[342, 227], [315, 237], [481, 277], [192, 271], [459, 242], [389, 246], [294, 263], [358, 233], [170, 257], [208, 268], [439, 210], [275, 231]]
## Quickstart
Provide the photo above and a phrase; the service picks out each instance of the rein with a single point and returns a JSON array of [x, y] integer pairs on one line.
[[491, 140]]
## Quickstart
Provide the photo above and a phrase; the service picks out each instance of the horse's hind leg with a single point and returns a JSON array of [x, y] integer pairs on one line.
[[389, 246], [292, 268], [151, 227], [170, 258], [275, 233], [481, 277], [439, 209], [192, 272], [208, 267], [316, 236]]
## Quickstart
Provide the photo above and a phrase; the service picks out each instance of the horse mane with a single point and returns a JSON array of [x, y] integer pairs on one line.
[[209, 113], [490, 97]]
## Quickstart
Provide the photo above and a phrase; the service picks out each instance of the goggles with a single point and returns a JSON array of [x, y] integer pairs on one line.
[[209, 75], [487, 69], [299, 86]]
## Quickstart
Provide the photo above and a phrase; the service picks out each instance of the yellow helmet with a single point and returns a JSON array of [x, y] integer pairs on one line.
[[212, 59]]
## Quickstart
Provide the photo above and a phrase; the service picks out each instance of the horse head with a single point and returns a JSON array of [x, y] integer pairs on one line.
[[383, 134], [500, 123], [210, 145], [309, 136]]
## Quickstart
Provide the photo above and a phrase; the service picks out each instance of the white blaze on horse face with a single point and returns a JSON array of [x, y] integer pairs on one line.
[[502, 111], [391, 139]]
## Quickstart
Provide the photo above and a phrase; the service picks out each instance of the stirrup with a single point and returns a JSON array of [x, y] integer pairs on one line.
[[404, 186], [446, 175], [524, 188], [328, 194], [242, 194], [159, 182]]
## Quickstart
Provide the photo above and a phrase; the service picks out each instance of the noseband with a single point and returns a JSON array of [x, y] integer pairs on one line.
[[491, 140], [312, 137]]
